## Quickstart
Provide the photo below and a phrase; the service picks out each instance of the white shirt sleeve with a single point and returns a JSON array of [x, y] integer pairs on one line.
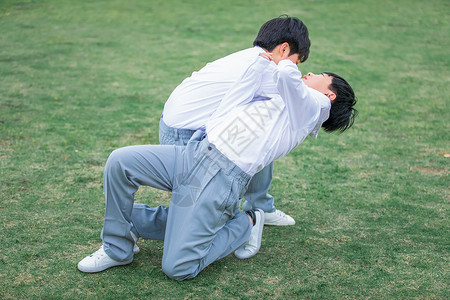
[[245, 88], [302, 106]]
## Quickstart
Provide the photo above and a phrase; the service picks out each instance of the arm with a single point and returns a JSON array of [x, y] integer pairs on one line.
[[302, 107], [245, 88]]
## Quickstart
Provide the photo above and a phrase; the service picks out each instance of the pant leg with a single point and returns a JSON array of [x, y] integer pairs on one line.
[[127, 169], [204, 221], [149, 222], [257, 195], [202, 224]]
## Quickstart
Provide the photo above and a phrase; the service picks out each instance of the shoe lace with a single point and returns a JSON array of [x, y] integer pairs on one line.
[[280, 213], [99, 253]]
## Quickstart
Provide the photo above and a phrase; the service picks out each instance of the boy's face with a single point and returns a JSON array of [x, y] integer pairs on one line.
[[321, 83], [295, 58]]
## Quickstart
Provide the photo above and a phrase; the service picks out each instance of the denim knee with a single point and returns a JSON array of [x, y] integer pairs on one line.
[[180, 271]]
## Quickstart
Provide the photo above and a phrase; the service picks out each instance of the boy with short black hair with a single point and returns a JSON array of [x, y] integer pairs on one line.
[[199, 96], [285, 29]]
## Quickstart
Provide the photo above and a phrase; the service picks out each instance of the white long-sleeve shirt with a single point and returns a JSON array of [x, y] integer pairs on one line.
[[254, 131], [193, 101]]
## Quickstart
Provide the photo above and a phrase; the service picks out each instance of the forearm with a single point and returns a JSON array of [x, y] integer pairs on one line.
[[299, 101]]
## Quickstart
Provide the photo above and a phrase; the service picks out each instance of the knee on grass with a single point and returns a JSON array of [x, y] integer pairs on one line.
[[180, 271]]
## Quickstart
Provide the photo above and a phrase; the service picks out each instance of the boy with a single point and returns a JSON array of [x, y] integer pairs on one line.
[[193, 102], [210, 175]]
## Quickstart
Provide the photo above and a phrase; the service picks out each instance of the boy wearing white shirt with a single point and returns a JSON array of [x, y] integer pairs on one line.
[[209, 175], [199, 96]]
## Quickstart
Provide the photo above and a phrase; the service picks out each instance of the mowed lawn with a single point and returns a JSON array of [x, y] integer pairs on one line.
[[82, 78]]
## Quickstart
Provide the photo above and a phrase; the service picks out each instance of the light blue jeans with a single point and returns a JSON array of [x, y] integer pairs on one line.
[[257, 195], [203, 222]]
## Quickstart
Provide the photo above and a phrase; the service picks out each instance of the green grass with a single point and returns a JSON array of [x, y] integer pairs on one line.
[[81, 78]]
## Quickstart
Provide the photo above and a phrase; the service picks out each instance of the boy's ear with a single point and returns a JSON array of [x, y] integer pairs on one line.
[[280, 52], [331, 96], [285, 49]]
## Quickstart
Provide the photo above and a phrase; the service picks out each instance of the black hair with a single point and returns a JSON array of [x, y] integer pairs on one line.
[[285, 29], [342, 113]]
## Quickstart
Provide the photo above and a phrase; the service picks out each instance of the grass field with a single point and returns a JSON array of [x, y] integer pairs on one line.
[[81, 78]]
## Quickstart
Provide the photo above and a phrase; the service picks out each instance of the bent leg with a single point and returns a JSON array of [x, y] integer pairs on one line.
[[198, 235], [204, 222], [127, 169]]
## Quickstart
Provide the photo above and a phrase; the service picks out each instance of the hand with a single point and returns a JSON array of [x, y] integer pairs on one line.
[[267, 56]]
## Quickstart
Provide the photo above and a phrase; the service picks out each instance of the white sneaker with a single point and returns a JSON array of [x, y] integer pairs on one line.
[[278, 218], [99, 261], [135, 238], [136, 249], [254, 243]]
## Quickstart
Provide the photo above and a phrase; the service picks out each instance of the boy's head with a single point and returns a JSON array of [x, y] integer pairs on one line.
[[341, 95], [281, 30]]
